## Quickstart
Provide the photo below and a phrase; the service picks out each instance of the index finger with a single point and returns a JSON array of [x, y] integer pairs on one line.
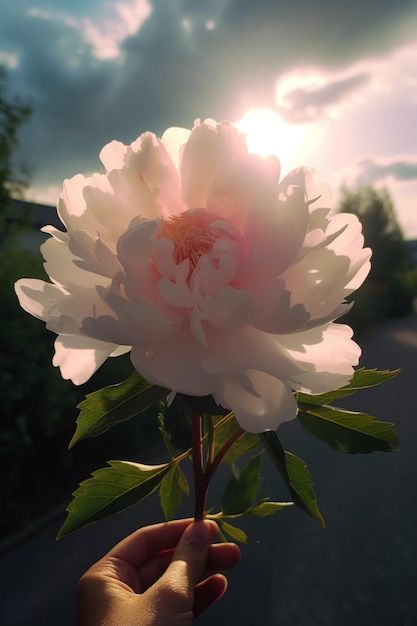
[[143, 543]]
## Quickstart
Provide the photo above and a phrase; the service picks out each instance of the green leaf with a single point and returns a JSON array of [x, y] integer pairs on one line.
[[173, 485], [236, 534], [166, 438], [295, 474], [266, 508], [362, 379], [348, 431], [301, 486], [110, 490], [241, 491], [245, 443], [115, 404], [276, 452]]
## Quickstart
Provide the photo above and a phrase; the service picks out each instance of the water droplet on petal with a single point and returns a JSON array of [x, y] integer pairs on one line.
[[150, 354]]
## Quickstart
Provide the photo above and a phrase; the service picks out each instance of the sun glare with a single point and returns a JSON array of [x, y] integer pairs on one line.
[[267, 133]]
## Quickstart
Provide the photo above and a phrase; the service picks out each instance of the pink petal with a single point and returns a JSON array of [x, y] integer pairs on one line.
[[174, 363], [209, 148]]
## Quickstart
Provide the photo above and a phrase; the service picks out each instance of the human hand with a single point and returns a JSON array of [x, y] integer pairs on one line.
[[161, 575]]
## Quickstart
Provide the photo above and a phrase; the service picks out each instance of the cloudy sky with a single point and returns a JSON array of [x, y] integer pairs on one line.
[[330, 83]]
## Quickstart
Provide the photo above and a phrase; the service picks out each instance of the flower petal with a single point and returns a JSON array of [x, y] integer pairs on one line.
[[113, 155], [262, 405], [79, 357], [174, 140], [327, 355], [37, 297], [210, 147], [153, 165], [233, 351], [174, 363]]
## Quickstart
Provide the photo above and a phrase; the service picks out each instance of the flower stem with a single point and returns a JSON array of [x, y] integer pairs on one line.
[[221, 454], [200, 483], [203, 475]]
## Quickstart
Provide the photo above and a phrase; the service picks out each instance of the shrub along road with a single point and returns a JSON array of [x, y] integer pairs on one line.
[[361, 569]]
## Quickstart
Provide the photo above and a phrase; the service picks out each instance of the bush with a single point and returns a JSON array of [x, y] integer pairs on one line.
[[376, 302], [39, 409]]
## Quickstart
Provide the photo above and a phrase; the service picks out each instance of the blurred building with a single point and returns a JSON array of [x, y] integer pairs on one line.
[[32, 217]]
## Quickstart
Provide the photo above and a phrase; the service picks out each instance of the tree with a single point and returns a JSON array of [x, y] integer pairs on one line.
[[390, 287], [13, 177], [381, 231]]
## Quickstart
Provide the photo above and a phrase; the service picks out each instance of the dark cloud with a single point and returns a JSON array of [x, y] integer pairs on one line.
[[401, 169], [170, 74], [305, 104]]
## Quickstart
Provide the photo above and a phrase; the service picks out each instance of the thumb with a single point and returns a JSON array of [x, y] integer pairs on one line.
[[187, 565]]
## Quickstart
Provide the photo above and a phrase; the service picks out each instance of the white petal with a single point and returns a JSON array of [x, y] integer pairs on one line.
[[216, 269], [114, 205], [37, 297], [265, 407], [134, 246], [174, 140], [316, 192], [232, 351], [154, 166], [79, 357], [327, 354], [178, 294], [121, 350], [113, 155], [109, 329], [229, 308], [139, 315], [209, 148], [174, 363], [273, 237], [278, 315], [58, 235], [62, 266]]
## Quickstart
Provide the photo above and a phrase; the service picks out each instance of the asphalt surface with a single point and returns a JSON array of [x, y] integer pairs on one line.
[[361, 569]]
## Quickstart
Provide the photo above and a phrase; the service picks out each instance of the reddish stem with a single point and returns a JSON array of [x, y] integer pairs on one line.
[[220, 455], [200, 484], [203, 476]]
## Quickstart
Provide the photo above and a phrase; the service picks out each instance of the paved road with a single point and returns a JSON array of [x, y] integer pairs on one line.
[[362, 569]]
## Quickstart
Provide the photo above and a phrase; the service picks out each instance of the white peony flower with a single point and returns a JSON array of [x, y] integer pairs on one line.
[[217, 277]]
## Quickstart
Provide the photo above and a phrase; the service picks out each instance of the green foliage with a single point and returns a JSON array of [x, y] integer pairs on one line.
[[381, 231], [111, 490], [241, 490], [246, 443], [173, 486], [296, 475], [38, 409], [348, 431], [361, 379], [389, 289], [267, 508], [36, 402], [115, 404], [13, 180], [228, 532], [123, 484]]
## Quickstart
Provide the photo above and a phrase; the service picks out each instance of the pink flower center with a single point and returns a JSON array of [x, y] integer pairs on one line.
[[191, 235]]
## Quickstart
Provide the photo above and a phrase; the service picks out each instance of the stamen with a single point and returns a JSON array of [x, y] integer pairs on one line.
[[191, 235]]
